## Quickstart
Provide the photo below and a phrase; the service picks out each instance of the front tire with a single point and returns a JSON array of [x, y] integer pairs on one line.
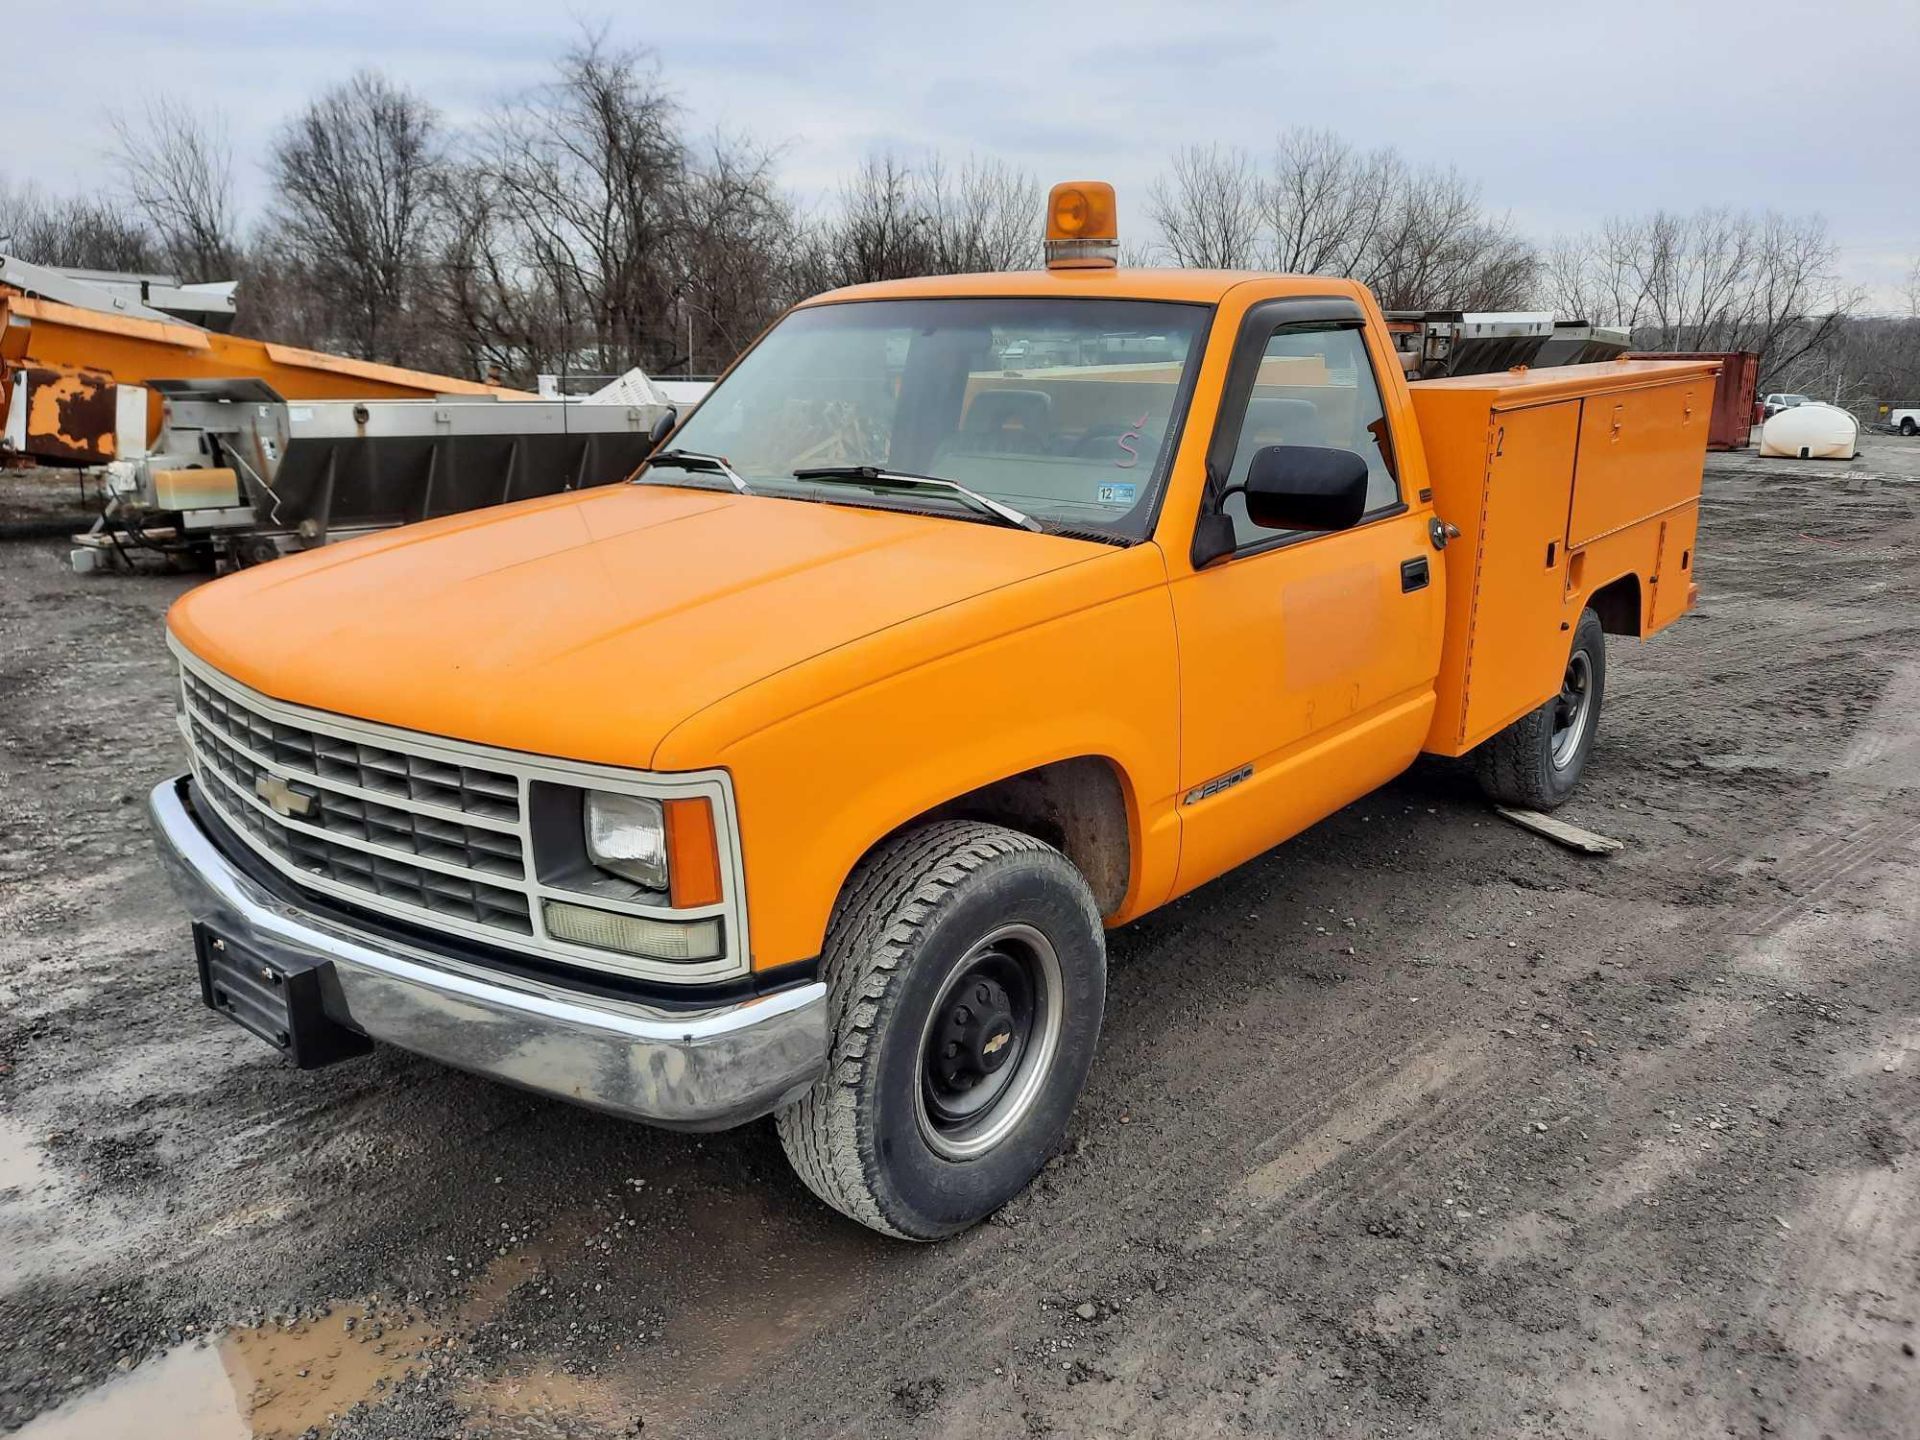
[[1536, 762], [966, 975], [1908, 427]]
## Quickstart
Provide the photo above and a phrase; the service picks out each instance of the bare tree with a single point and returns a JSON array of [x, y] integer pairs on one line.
[[357, 174], [1711, 279], [878, 232], [587, 172], [498, 311], [1436, 248], [1864, 362], [76, 232], [737, 252], [1324, 203], [983, 216], [1418, 236], [1208, 209], [178, 168], [897, 218]]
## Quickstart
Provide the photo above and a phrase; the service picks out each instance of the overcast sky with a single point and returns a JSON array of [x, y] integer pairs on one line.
[[1564, 114]]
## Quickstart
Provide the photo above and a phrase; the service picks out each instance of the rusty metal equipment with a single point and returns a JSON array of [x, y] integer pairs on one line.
[[241, 474], [67, 343], [1733, 396]]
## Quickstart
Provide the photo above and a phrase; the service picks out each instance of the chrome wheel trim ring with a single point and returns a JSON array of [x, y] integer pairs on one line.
[[1576, 691], [980, 1134]]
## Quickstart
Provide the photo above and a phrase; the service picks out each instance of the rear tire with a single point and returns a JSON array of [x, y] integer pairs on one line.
[[966, 974], [1908, 428], [1536, 762]]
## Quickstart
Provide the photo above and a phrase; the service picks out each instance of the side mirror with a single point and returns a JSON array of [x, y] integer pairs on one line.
[[662, 428], [1305, 487]]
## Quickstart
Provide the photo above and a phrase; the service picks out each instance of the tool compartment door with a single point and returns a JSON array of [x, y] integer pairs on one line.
[[1517, 643], [1673, 567], [1641, 452]]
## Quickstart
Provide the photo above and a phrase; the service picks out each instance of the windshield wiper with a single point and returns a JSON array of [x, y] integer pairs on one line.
[[876, 478], [701, 464]]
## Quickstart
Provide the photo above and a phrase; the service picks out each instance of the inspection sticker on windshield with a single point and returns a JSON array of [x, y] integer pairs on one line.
[[1114, 494]]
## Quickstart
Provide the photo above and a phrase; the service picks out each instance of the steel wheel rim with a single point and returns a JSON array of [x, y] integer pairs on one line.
[[1014, 964], [1572, 709]]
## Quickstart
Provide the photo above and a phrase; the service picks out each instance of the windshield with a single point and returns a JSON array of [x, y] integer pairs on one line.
[[1061, 409]]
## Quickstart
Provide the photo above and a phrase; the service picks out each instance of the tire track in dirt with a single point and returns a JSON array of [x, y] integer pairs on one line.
[[1316, 1112], [1167, 1184], [1394, 1124], [1420, 1125]]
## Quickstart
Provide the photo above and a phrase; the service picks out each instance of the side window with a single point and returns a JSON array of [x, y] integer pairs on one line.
[[1315, 388]]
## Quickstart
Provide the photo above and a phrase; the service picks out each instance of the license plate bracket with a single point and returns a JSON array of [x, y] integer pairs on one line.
[[282, 1003]]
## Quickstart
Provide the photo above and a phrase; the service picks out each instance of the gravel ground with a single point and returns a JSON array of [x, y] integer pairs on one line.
[[32, 500], [1418, 1124]]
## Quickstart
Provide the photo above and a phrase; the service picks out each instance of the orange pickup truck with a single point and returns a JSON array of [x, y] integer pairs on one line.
[[965, 619]]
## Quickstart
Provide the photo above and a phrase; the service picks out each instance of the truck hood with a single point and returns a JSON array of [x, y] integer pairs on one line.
[[589, 625]]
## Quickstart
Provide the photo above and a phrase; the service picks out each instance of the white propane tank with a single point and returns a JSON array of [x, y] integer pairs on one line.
[[1811, 432]]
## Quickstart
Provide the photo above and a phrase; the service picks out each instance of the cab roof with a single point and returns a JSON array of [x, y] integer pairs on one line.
[[1206, 287]]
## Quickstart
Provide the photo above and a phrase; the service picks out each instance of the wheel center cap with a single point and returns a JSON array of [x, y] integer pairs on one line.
[[980, 1033], [996, 1040]]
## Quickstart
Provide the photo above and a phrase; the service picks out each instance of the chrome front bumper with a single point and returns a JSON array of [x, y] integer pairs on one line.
[[700, 1070]]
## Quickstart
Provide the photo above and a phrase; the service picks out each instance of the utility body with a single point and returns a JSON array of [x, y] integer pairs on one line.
[[801, 777]]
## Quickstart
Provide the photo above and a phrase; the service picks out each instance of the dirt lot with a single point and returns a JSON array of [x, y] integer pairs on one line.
[[1417, 1125]]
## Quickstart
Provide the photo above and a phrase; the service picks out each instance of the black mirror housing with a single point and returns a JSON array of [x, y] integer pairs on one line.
[[662, 428], [1305, 487]]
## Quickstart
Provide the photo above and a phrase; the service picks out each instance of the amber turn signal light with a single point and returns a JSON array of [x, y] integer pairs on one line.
[[693, 854]]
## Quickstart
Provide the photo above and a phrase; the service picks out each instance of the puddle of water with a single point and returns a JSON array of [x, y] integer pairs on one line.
[[183, 1395], [23, 1165], [277, 1381], [48, 1226], [300, 1376], [764, 1291], [30, 1209], [532, 1402]]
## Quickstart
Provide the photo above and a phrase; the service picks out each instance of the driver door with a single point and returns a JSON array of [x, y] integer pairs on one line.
[[1307, 660]]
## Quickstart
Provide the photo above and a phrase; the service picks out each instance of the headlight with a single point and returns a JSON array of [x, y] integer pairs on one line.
[[627, 835]]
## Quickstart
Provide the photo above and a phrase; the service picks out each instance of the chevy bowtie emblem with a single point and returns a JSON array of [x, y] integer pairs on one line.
[[996, 1042], [282, 797]]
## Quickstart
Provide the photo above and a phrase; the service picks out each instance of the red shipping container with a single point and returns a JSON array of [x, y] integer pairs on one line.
[[1733, 395]]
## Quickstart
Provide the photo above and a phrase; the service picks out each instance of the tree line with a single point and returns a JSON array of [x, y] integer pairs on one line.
[[582, 226]]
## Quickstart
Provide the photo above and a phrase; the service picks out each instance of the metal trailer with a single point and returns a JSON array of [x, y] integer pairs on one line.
[[241, 474]]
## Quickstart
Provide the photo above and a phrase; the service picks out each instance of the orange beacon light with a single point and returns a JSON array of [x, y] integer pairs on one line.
[[1083, 232]]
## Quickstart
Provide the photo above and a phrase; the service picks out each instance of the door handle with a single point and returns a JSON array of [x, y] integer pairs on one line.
[[1414, 574]]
